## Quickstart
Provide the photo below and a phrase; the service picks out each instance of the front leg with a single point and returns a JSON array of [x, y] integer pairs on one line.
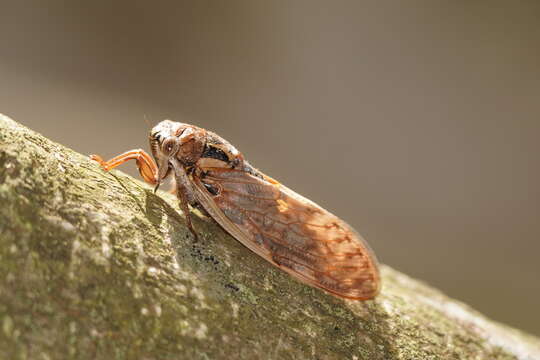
[[146, 165]]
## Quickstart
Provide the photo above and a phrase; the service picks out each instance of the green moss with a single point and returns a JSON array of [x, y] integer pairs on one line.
[[94, 265]]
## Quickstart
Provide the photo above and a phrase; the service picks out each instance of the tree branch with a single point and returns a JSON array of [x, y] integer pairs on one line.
[[93, 265]]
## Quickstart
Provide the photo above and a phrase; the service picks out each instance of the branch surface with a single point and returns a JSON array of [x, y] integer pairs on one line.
[[93, 265]]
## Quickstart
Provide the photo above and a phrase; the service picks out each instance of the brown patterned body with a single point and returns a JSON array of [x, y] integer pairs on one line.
[[288, 230]]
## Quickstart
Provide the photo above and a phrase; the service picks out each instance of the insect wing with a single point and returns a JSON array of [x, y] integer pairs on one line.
[[291, 232]]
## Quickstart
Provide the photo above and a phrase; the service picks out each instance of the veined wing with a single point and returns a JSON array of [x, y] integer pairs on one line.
[[291, 232]]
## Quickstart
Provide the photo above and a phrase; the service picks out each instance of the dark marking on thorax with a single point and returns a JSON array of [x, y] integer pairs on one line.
[[215, 153]]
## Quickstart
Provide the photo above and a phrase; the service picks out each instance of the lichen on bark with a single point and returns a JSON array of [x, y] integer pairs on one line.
[[94, 265]]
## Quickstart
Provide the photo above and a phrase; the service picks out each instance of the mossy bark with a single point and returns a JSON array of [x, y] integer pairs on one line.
[[94, 265]]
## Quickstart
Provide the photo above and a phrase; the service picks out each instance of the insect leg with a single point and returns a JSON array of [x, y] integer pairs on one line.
[[201, 208], [194, 203], [147, 166], [181, 193], [184, 192]]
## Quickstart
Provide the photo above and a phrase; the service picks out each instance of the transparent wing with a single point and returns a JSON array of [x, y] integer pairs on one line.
[[291, 232]]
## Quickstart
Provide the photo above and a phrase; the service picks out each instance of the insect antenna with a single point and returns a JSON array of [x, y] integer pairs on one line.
[[146, 121]]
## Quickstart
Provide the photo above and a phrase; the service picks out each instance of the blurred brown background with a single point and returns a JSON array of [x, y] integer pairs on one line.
[[417, 122]]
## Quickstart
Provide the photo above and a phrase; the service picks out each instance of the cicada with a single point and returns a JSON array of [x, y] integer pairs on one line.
[[288, 230]]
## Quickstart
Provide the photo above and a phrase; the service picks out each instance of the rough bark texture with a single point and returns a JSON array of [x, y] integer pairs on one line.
[[93, 265]]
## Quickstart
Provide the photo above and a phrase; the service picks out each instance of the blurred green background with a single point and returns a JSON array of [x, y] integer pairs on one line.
[[417, 122]]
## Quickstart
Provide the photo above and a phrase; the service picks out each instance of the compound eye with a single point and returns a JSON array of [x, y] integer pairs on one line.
[[168, 146]]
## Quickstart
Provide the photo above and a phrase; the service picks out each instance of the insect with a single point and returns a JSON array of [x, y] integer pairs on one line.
[[288, 230]]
